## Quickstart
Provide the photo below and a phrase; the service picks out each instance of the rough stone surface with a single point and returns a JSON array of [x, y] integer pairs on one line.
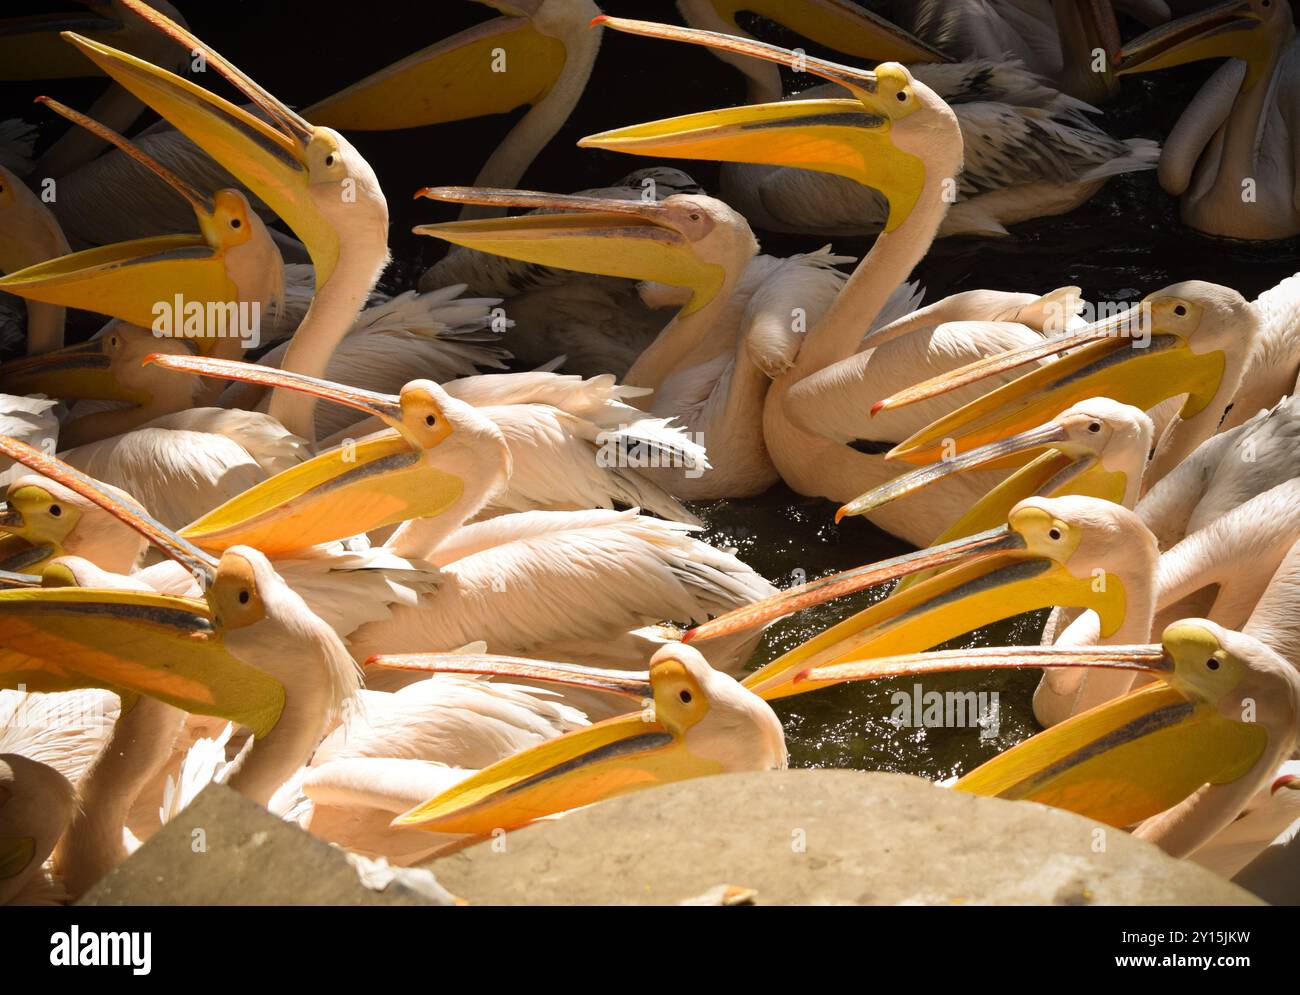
[[867, 839], [251, 858]]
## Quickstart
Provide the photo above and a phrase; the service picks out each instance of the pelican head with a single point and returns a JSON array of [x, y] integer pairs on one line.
[[896, 135], [686, 240], [438, 454], [1254, 31], [311, 176], [697, 721], [108, 367], [1070, 551], [231, 260], [44, 519], [1190, 338], [1223, 711], [1096, 447]]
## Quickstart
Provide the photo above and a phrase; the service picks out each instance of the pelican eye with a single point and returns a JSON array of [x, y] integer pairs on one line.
[[55, 510], [236, 223], [685, 696], [901, 96], [695, 217], [243, 597], [430, 420], [1054, 534], [1094, 426], [1211, 664], [1180, 310], [329, 159]]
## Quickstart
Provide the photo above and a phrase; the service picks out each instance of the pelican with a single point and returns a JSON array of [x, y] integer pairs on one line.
[[1097, 447], [699, 722], [189, 656], [1180, 758], [712, 364], [897, 136], [1190, 339], [1030, 150], [1231, 157]]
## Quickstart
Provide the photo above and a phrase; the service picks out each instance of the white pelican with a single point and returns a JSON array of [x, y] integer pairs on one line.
[[1030, 151], [711, 365], [1096, 447], [1231, 157], [1191, 338], [1183, 756], [699, 722], [896, 136]]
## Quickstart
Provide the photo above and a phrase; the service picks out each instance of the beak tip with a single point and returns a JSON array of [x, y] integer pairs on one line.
[[878, 407], [840, 514], [689, 634], [598, 21]]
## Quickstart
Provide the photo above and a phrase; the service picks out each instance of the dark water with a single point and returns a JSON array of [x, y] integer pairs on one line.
[[1126, 242]]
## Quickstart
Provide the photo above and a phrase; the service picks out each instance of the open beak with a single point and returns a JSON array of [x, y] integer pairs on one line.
[[67, 638], [1041, 437], [1225, 30], [981, 579], [619, 755], [839, 25], [357, 487], [269, 156], [459, 77], [200, 564], [1123, 357], [846, 137], [623, 238], [1118, 763], [838, 585], [136, 281], [629, 684]]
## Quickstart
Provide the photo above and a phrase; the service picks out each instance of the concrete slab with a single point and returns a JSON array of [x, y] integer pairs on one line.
[[824, 837]]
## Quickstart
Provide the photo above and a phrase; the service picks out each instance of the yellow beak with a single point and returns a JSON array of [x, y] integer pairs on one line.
[[1106, 362], [271, 159], [1225, 30], [1118, 763], [460, 77], [377, 481], [619, 755], [849, 138], [839, 25], [66, 638], [982, 579], [630, 239], [1056, 471]]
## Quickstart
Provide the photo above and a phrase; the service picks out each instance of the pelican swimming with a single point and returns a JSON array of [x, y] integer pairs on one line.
[[1231, 157], [1030, 151]]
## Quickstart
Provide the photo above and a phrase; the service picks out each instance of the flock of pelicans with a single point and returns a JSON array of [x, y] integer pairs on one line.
[[295, 569]]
